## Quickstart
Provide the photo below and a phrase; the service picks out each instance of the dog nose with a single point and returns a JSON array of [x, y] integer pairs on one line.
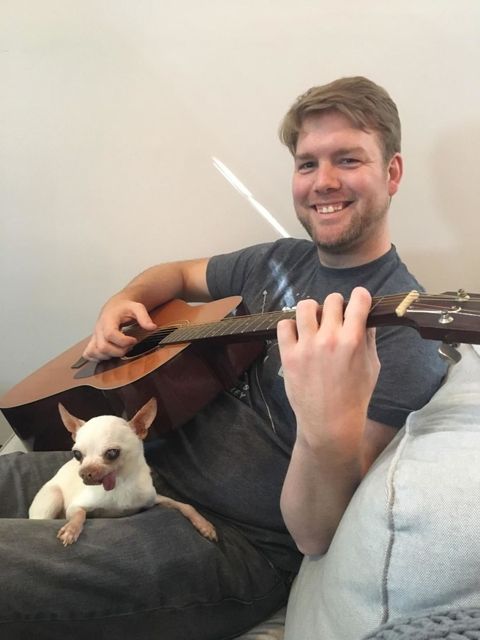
[[89, 475]]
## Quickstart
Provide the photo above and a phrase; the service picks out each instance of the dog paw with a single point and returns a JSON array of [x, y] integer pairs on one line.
[[210, 533], [68, 534], [201, 524], [206, 528]]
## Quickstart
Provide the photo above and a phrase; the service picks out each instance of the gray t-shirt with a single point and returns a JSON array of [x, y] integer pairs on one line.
[[232, 458]]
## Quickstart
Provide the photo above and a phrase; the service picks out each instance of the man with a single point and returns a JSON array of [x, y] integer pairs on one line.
[[151, 575]]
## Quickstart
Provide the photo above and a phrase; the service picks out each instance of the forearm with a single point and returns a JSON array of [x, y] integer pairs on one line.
[[319, 484], [324, 473], [158, 284]]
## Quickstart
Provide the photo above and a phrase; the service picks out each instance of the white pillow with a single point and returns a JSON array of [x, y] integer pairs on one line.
[[410, 538]]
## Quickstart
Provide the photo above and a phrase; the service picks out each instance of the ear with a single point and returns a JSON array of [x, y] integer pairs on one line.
[[144, 417], [395, 173], [71, 423]]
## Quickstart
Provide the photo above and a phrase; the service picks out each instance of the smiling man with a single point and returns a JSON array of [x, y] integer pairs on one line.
[[342, 187], [346, 172], [273, 461]]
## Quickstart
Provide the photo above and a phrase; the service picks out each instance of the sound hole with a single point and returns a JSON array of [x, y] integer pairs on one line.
[[148, 344]]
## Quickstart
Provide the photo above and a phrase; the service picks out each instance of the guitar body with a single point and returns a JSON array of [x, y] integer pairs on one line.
[[182, 377]]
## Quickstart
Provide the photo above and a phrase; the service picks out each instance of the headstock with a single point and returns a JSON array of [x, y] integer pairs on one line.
[[450, 317]]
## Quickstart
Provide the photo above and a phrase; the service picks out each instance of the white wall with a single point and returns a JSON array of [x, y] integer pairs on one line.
[[112, 110]]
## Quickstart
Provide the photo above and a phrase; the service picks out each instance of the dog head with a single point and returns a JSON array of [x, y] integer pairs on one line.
[[108, 446]]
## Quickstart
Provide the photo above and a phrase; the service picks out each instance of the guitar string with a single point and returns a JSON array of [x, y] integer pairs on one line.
[[379, 304]]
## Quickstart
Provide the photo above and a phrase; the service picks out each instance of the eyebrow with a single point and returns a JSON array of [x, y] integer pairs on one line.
[[339, 152], [349, 151]]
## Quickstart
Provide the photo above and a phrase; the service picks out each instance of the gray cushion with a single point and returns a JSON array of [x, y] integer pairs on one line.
[[409, 539]]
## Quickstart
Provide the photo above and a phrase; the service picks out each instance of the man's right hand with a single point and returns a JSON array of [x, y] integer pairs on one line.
[[108, 341], [155, 286]]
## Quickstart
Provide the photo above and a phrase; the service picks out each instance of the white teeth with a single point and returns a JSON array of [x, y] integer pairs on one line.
[[331, 208]]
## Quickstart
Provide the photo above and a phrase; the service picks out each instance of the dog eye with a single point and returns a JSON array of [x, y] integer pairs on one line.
[[77, 455], [111, 454]]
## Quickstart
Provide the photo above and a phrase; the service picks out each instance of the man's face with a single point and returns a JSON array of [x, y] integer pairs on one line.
[[342, 188]]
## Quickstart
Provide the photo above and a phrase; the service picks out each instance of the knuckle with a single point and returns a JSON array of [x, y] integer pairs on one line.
[[108, 337], [326, 342]]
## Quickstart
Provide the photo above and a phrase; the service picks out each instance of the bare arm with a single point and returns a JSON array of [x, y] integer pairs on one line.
[[186, 280], [330, 368]]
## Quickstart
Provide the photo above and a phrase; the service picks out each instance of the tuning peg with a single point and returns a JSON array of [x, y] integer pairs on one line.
[[462, 295], [449, 352]]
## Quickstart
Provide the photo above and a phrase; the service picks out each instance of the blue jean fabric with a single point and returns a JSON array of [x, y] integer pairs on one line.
[[143, 577]]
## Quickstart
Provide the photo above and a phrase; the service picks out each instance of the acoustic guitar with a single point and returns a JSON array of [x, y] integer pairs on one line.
[[196, 352]]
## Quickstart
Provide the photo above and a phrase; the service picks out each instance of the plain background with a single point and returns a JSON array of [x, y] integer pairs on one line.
[[112, 111]]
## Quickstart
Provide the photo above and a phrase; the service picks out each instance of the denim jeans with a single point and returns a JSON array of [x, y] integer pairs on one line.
[[142, 577]]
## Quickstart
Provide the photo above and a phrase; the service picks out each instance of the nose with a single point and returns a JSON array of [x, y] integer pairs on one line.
[[327, 178], [90, 474]]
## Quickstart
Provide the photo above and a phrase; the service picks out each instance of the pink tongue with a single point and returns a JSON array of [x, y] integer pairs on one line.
[[109, 481]]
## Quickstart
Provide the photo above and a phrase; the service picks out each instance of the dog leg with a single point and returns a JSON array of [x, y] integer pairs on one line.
[[69, 533], [47, 504], [202, 525]]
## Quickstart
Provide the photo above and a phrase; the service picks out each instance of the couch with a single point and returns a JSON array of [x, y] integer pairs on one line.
[[405, 560]]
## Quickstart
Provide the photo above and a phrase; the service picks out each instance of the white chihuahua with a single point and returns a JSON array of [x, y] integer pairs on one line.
[[108, 476]]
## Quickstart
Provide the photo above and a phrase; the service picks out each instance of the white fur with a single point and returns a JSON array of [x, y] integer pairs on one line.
[[67, 494], [134, 488]]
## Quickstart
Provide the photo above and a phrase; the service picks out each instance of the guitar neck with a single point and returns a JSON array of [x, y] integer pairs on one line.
[[449, 317], [233, 328]]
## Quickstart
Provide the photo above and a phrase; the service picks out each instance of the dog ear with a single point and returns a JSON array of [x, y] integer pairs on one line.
[[71, 423], [144, 417]]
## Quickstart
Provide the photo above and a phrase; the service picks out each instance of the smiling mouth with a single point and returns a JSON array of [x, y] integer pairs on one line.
[[330, 208]]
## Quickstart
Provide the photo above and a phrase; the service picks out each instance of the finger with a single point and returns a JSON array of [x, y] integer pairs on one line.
[[129, 313], [113, 345], [357, 309], [95, 353], [110, 337], [143, 318], [332, 313], [306, 315], [286, 333], [90, 351], [108, 340]]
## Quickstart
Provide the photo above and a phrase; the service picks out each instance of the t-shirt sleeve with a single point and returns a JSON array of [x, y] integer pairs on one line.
[[227, 273], [411, 372]]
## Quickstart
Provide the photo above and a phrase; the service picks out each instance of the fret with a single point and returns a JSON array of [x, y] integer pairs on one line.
[[453, 316], [233, 326], [263, 326]]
